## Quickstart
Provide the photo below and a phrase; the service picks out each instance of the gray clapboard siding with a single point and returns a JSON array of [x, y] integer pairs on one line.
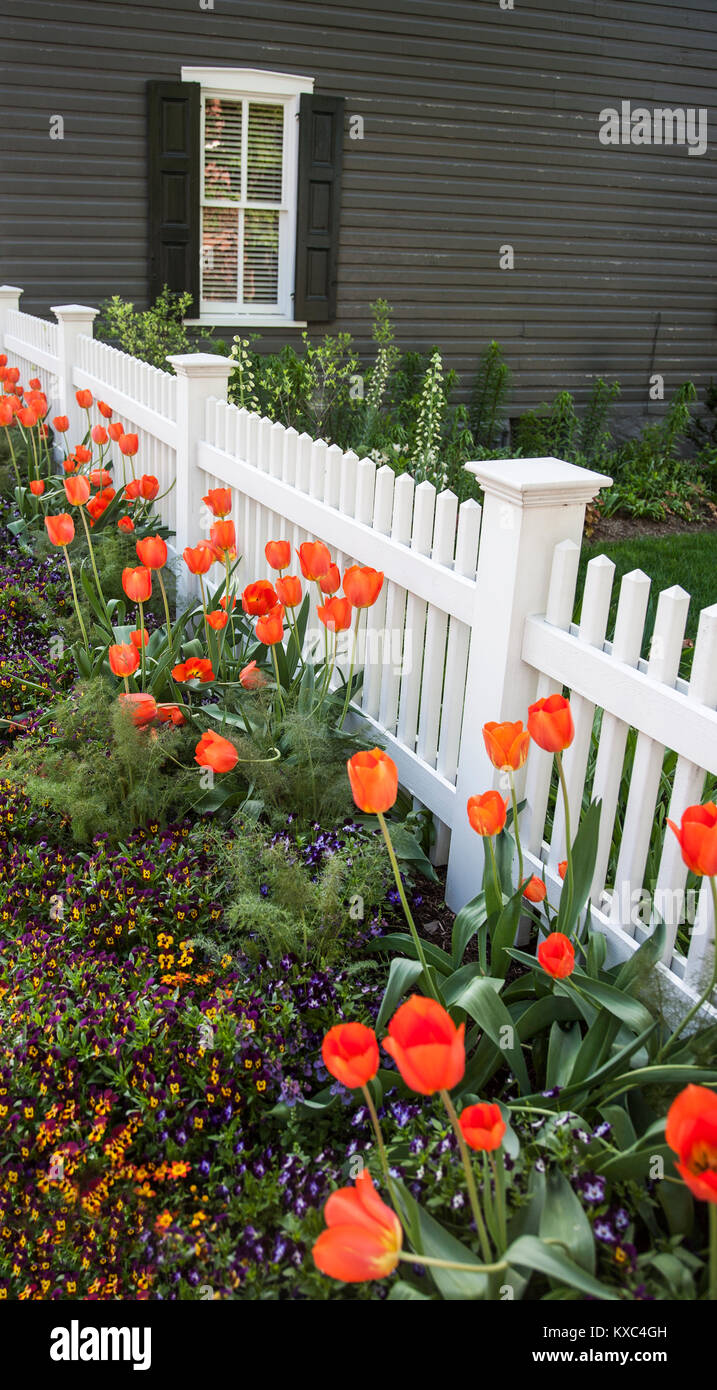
[[480, 129]]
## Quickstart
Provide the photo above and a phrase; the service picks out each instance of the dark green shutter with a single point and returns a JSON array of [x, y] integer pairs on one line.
[[173, 120], [321, 140]]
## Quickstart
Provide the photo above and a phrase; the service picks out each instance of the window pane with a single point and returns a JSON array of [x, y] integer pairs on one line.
[[222, 148], [261, 257], [265, 153], [220, 254]]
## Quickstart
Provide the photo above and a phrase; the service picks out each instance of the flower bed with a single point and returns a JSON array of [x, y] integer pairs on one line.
[[202, 959]]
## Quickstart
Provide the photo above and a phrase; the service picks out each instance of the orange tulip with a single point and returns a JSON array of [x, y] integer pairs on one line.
[[84, 399], [231, 605], [27, 417], [219, 501], [223, 536], [487, 813], [218, 619], [60, 529], [152, 552], [534, 890], [125, 523], [115, 431], [362, 585], [506, 744], [170, 714], [374, 781], [335, 614], [426, 1046], [550, 723], [7, 414], [314, 559], [148, 487], [105, 410], [99, 434], [330, 583], [61, 423], [124, 659], [563, 868], [270, 629], [198, 559], [278, 554], [483, 1126], [131, 492], [363, 1237], [216, 752], [100, 502], [99, 477], [259, 598], [697, 835], [82, 454], [141, 708], [129, 445], [557, 955], [288, 591], [137, 583], [252, 678], [37, 487], [691, 1130], [350, 1053], [196, 668], [77, 490], [136, 638]]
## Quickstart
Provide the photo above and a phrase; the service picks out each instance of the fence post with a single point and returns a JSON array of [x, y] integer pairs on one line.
[[9, 300], [200, 375], [73, 321], [530, 506]]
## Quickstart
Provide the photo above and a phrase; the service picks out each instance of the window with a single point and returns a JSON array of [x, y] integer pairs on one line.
[[248, 193]]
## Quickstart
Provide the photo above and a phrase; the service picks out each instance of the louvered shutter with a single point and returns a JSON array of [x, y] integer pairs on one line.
[[319, 204], [173, 122]]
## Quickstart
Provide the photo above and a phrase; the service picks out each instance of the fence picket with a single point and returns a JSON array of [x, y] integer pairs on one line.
[[382, 513], [396, 602]]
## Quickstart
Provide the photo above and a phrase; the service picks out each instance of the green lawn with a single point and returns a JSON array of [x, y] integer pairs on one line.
[[688, 558]]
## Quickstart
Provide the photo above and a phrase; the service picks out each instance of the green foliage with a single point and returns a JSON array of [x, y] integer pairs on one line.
[[93, 767], [283, 897], [489, 397], [559, 431], [152, 334], [652, 478]]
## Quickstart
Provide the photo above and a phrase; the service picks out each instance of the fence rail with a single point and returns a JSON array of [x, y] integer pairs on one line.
[[473, 623]]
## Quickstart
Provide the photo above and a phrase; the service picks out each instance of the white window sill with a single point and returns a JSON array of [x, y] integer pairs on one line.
[[236, 321]]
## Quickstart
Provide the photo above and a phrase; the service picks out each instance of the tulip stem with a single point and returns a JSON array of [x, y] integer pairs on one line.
[[12, 455], [708, 992], [519, 847], [568, 836], [166, 605], [713, 1250], [434, 1263], [77, 604], [498, 1166], [347, 700], [470, 1179], [278, 681], [141, 640], [381, 1146], [407, 911], [496, 875], [93, 563]]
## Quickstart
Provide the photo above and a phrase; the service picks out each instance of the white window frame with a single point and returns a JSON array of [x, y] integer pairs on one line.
[[276, 88]]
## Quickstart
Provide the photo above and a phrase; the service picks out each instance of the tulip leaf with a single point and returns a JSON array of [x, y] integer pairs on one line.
[[407, 848], [401, 941], [429, 1238], [563, 1048], [609, 997], [401, 976], [532, 1253], [401, 1291], [467, 923], [563, 1218], [479, 999], [542, 1012], [585, 849], [503, 934]]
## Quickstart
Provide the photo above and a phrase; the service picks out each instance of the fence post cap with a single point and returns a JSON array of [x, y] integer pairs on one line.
[[72, 312], [10, 291], [201, 364], [540, 482]]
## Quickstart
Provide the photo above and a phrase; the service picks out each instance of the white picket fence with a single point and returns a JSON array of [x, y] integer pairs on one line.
[[474, 621]]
